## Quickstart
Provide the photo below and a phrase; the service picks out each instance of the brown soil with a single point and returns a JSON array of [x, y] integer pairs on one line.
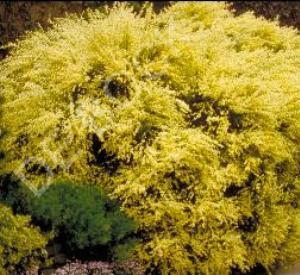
[[288, 11], [16, 17]]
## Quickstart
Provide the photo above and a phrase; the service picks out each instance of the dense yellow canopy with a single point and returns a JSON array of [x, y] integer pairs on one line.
[[190, 117]]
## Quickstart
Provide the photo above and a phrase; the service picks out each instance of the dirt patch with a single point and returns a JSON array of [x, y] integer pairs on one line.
[[17, 17], [287, 11]]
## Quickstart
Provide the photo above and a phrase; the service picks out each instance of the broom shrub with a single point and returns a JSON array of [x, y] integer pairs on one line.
[[190, 117]]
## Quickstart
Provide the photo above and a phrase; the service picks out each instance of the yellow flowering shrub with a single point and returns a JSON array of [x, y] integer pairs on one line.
[[190, 117], [21, 245]]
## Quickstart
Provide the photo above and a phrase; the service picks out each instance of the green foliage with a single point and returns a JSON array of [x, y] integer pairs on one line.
[[15, 194], [83, 217], [21, 245], [190, 117], [121, 251]]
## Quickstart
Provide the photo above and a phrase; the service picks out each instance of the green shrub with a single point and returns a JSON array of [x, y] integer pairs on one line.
[[15, 194], [21, 245], [190, 117], [84, 219]]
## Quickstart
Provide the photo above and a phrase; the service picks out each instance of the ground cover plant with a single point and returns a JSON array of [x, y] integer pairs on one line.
[[190, 118], [85, 221], [81, 218]]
